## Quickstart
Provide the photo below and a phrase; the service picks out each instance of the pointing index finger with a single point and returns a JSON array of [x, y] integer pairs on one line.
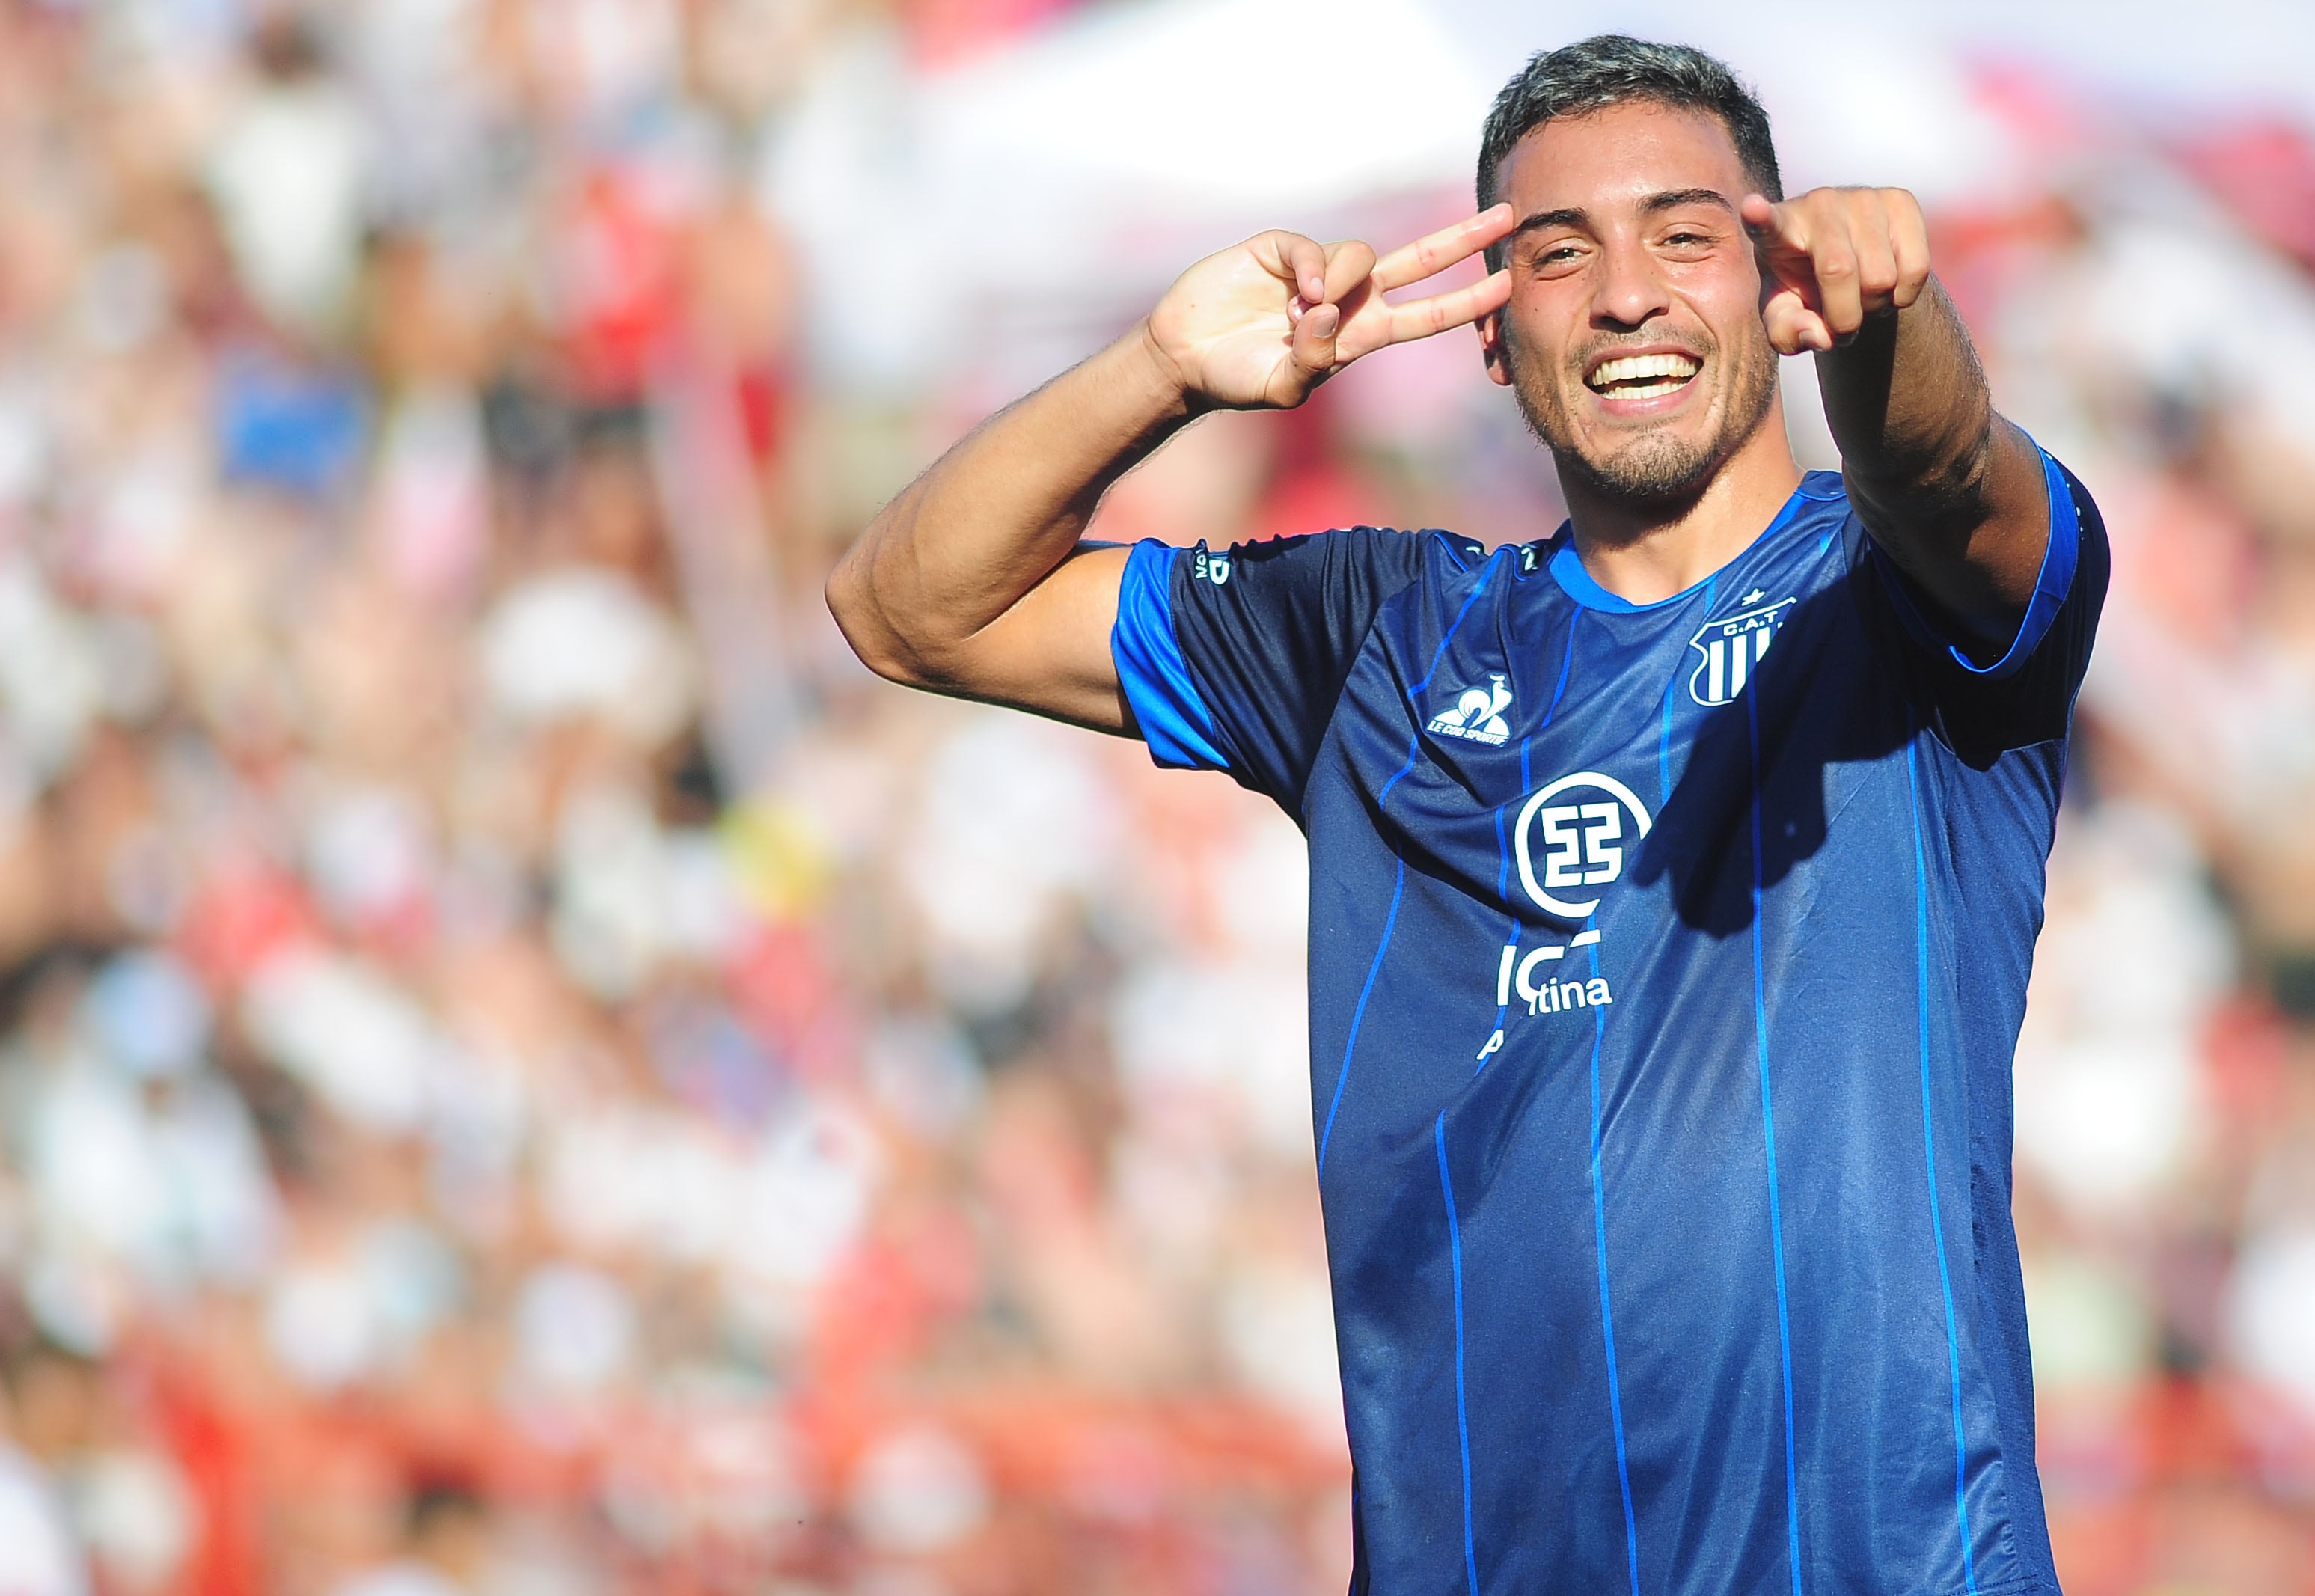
[[1434, 252], [1768, 222]]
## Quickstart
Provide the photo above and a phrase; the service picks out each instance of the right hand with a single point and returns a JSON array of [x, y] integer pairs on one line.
[[1261, 324]]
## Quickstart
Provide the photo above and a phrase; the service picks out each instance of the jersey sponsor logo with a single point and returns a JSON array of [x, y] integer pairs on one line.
[[1729, 648], [1535, 980], [1479, 714], [1213, 568], [1534, 977], [1572, 836]]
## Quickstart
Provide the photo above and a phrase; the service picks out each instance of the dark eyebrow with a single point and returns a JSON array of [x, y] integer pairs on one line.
[[1566, 215], [1577, 217], [1673, 199]]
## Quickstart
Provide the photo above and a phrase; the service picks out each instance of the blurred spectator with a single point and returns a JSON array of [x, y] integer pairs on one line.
[[446, 1549], [39, 1553]]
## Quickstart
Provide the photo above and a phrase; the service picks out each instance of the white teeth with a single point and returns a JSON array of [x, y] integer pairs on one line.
[[1634, 369]]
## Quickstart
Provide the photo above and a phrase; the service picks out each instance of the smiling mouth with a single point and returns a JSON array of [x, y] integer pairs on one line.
[[1642, 376]]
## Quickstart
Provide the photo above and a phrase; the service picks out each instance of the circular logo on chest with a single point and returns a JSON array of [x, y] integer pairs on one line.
[[1573, 836]]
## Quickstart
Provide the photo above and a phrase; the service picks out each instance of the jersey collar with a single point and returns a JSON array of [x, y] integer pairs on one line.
[[1577, 583]]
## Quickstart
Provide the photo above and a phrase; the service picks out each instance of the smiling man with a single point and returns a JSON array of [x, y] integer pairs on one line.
[[1674, 877]]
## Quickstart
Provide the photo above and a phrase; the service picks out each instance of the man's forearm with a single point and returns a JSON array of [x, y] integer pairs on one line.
[[1944, 483], [999, 511], [974, 582], [1908, 405]]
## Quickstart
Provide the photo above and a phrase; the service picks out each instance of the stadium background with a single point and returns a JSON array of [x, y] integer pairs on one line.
[[525, 1071]]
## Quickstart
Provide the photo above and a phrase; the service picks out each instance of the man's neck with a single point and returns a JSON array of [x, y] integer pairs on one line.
[[1647, 551]]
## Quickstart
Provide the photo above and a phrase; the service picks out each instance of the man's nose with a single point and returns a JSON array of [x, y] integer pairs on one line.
[[1630, 291]]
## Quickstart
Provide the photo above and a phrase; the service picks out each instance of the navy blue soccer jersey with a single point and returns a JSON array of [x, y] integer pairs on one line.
[[1666, 965]]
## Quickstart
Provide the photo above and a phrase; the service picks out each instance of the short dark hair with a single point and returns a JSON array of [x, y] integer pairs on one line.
[[1614, 69]]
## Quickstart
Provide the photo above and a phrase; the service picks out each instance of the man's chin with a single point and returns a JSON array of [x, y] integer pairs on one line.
[[1648, 471], [1650, 461]]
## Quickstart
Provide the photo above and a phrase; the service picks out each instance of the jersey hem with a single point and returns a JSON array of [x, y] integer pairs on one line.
[[2032, 1584]]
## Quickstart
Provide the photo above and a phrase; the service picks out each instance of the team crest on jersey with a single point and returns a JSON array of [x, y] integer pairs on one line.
[[1731, 647], [1479, 714]]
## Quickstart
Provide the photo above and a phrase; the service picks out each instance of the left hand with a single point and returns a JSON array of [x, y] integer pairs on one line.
[[1832, 257]]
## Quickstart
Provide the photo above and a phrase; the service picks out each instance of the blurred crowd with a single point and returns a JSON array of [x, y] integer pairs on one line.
[[524, 1072]]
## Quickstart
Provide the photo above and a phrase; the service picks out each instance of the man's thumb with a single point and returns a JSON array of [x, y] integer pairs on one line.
[[1314, 337]]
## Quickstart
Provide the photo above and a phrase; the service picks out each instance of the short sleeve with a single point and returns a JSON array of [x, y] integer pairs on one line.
[[1234, 660], [2026, 696]]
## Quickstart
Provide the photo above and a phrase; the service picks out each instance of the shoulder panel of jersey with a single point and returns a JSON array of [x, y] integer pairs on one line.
[[1235, 660]]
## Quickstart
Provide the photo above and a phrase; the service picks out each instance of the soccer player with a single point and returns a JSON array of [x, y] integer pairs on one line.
[[1674, 877]]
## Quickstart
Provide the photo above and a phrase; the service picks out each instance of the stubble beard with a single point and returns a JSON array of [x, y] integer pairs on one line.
[[1655, 467]]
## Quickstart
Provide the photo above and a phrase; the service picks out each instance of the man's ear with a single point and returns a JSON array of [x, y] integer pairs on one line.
[[1490, 328]]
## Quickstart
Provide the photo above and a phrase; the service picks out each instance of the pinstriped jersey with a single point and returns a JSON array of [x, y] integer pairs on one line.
[[1666, 965]]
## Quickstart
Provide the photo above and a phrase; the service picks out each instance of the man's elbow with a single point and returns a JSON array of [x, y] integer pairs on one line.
[[875, 633], [852, 603]]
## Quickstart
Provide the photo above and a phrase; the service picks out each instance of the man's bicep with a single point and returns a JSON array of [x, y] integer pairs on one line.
[[1973, 555], [2021, 689], [1049, 653]]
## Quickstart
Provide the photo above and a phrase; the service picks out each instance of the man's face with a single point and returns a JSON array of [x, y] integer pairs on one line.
[[1633, 339]]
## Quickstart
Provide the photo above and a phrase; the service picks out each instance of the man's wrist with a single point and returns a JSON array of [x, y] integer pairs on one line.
[[1158, 375]]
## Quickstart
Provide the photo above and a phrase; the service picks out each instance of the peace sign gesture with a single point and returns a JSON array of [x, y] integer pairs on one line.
[[1260, 325]]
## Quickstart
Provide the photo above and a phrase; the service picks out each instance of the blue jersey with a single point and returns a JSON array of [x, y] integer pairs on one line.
[[1666, 965]]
